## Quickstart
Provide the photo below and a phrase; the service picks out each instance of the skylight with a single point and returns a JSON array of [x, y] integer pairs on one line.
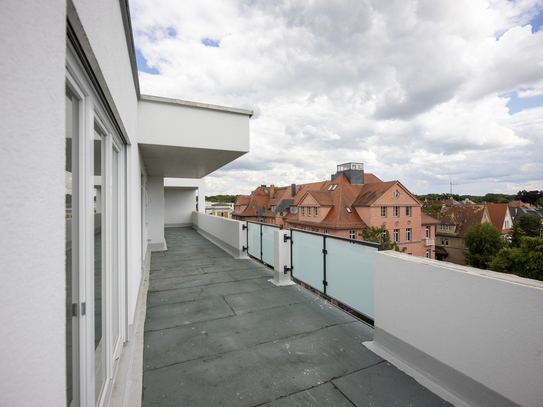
[[348, 209]]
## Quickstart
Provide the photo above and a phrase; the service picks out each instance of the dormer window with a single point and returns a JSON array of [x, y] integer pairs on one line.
[[309, 211], [303, 211], [316, 212]]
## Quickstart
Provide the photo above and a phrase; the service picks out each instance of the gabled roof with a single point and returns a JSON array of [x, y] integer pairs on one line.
[[243, 200], [428, 220], [372, 192], [323, 198], [497, 213], [464, 217]]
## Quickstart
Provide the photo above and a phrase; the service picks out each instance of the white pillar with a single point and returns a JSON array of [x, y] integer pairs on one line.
[[281, 258], [155, 214], [202, 196]]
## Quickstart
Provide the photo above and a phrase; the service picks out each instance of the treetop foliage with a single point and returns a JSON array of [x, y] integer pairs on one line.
[[222, 198], [380, 235], [483, 242]]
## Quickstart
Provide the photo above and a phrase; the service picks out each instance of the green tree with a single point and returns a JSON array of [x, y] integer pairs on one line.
[[515, 235], [539, 203], [380, 235], [483, 241], [525, 260], [531, 224], [433, 208]]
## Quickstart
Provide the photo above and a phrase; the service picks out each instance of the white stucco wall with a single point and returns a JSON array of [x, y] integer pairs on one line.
[[174, 124], [178, 206], [104, 30], [483, 324], [32, 127]]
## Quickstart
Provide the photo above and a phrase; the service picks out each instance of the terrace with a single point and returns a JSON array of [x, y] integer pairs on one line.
[[218, 332], [224, 329]]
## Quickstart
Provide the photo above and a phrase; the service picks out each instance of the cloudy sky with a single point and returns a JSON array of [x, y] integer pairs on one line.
[[427, 92]]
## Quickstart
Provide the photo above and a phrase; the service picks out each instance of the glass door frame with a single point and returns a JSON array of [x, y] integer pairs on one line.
[[90, 114]]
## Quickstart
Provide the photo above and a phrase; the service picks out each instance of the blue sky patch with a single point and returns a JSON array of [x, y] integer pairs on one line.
[[537, 22], [142, 64], [208, 42], [517, 104]]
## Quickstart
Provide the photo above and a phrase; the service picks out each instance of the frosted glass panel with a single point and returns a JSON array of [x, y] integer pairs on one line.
[[307, 259], [349, 273], [267, 244], [253, 239]]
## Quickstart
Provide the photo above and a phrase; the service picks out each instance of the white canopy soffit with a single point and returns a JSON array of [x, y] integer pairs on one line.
[[181, 139]]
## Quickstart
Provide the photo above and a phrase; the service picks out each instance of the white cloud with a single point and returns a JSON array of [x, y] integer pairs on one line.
[[410, 88], [530, 93]]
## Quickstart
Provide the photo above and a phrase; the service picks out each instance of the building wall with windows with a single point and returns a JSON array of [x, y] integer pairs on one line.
[[81, 195]]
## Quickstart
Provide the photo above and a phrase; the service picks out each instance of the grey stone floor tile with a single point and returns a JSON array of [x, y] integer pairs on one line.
[[168, 316], [384, 385], [261, 374], [260, 300], [188, 281], [325, 395], [206, 291], [176, 345]]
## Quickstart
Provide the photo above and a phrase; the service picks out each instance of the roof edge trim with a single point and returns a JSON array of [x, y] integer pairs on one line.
[[197, 104]]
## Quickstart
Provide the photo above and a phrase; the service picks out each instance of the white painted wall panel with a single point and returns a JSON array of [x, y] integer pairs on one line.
[[155, 190], [484, 324], [32, 293], [178, 206], [180, 125], [104, 29]]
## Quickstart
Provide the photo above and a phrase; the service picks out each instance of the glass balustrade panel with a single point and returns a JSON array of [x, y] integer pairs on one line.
[[253, 239], [307, 259], [268, 246], [349, 273]]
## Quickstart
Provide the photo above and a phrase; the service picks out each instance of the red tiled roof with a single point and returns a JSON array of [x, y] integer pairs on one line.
[[372, 192], [243, 200], [428, 220], [324, 198], [497, 214], [516, 203]]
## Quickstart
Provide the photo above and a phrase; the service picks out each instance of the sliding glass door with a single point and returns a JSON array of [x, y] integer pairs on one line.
[[95, 189]]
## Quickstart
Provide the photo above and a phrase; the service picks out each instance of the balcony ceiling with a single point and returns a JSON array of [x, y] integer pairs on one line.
[[184, 162]]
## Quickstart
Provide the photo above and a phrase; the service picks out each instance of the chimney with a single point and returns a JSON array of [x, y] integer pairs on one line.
[[293, 190]]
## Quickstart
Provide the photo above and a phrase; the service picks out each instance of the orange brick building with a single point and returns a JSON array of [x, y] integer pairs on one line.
[[351, 200]]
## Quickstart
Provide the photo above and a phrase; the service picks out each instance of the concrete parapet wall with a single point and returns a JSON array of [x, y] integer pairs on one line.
[[472, 336], [226, 233]]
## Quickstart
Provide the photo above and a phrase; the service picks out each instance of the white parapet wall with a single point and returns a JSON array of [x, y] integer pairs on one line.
[[226, 233], [474, 337]]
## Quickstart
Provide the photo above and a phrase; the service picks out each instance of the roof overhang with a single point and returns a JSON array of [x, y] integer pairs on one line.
[[181, 139]]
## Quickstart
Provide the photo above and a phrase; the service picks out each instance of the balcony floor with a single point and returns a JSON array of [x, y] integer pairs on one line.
[[217, 332]]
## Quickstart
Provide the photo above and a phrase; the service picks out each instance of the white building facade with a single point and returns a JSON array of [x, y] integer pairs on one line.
[[89, 181]]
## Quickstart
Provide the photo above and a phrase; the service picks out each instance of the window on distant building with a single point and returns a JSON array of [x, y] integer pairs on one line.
[[316, 212], [396, 211], [303, 211], [506, 224], [407, 211], [427, 231], [442, 242], [441, 227], [325, 231], [396, 235], [383, 211], [446, 242], [427, 254], [309, 211], [448, 227], [408, 235], [348, 209], [352, 234], [281, 213]]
